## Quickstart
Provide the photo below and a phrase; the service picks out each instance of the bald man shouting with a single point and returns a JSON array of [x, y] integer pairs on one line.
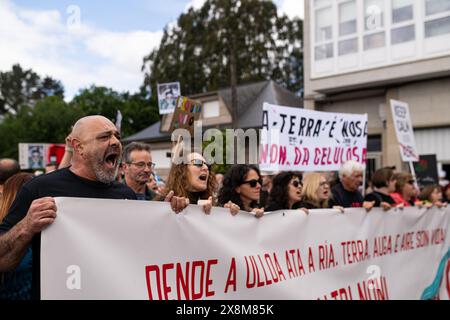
[[97, 150]]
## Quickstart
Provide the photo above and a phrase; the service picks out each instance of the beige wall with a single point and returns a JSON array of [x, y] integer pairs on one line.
[[429, 102], [391, 75], [361, 106]]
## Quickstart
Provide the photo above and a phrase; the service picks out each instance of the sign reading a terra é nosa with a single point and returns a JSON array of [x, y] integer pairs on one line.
[[307, 140]]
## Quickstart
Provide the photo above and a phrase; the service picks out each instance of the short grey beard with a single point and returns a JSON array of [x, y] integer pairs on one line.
[[103, 176]]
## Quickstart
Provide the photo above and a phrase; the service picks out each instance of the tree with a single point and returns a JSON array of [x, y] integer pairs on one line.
[[228, 42], [20, 87], [48, 121], [138, 112]]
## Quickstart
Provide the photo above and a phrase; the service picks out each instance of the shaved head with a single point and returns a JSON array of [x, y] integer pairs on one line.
[[8, 168], [97, 148], [84, 125]]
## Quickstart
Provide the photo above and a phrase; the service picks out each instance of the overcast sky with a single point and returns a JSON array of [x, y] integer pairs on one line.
[[83, 42]]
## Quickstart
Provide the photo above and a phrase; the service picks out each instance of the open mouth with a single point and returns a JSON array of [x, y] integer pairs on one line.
[[203, 177], [111, 159]]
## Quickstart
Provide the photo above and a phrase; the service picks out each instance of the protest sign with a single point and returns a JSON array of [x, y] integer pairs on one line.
[[307, 140], [404, 131], [186, 113], [426, 170], [167, 96]]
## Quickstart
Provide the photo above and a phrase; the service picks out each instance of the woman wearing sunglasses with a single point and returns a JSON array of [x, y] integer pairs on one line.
[[405, 191], [241, 189], [286, 192], [192, 182]]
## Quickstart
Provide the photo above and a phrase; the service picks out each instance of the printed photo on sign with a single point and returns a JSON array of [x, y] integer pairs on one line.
[[167, 96], [36, 156]]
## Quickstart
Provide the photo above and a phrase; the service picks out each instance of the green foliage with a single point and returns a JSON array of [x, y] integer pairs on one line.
[[47, 118], [49, 121], [221, 150], [24, 87], [197, 52], [138, 112]]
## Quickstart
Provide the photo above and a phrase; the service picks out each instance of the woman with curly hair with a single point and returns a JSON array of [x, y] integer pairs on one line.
[[191, 181], [241, 189], [286, 192]]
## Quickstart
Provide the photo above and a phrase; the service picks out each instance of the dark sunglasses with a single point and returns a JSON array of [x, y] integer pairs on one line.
[[199, 163], [411, 181], [253, 182], [296, 184]]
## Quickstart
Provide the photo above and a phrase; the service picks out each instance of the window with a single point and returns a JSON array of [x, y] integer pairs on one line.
[[211, 109], [319, 3], [403, 34], [324, 52], [354, 35], [348, 46], [324, 28], [402, 10], [374, 41], [347, 18], [373, 15], [437, 27], [436, 6]]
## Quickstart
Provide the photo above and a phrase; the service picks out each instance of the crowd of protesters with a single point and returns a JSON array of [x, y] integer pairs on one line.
[[96, 166]]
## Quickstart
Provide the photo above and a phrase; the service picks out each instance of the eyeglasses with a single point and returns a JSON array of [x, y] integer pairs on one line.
[[324, 183], [199, 163], [142, 165], [253, 182], [296, 184]]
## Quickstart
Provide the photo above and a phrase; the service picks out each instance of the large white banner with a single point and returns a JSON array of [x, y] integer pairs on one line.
[[307, 140], [119, 249], [404, 131]]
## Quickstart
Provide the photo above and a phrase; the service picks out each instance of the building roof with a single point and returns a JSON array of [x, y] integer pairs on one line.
[[150, 133], [251, 98]]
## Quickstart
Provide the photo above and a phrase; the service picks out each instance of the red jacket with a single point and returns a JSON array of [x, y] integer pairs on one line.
[[398, 198]]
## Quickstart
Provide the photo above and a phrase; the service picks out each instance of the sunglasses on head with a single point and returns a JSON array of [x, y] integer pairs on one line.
[[199, 163], [253, 182]]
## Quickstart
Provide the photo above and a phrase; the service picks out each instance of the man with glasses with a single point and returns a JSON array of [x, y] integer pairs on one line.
[[138, 168]]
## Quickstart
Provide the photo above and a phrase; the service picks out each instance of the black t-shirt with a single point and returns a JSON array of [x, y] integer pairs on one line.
[[344, 198], [60, 183], [379, 197]]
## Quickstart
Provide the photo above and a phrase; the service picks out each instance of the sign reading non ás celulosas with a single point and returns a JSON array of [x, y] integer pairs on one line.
[[307, 140]]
